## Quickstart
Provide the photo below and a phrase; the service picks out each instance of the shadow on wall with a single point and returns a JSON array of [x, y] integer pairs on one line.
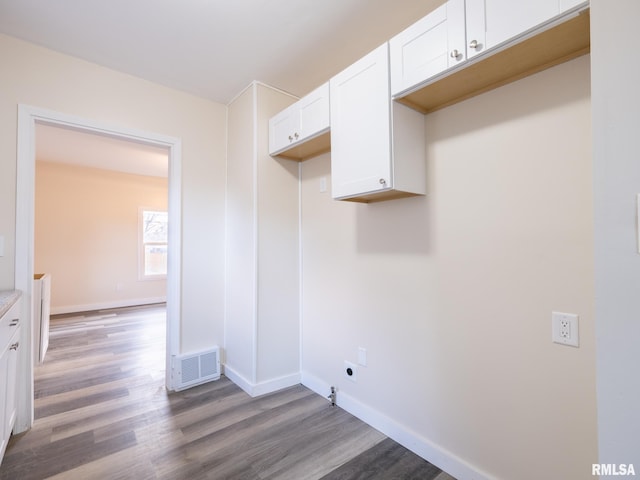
[[395, 226]]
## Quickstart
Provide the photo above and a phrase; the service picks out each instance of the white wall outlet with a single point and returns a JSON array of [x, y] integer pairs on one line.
[[564, 329], [350, 371], [362, 356]]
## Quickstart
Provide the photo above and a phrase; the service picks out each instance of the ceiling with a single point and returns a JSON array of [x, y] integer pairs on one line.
[[209, 48], [215, 48]]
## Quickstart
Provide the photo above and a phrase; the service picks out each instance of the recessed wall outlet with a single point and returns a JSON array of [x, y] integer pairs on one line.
[[564, 329], [350, 371]]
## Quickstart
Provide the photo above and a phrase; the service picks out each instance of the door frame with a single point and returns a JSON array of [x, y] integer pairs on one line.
[[28, 117]]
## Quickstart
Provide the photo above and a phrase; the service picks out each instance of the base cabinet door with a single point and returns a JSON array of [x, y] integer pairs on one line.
[[9, 348], [8, 378]]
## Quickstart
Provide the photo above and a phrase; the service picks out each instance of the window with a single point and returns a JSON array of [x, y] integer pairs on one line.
[[153, 243]]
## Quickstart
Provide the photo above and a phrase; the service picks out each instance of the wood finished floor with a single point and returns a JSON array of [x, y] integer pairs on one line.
[[102, 412]]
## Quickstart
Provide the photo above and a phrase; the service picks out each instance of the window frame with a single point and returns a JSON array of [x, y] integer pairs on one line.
[[142, 275]]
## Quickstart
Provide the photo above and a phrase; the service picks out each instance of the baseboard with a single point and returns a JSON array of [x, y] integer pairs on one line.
[[438, 456], [261, 388], [89, 307]]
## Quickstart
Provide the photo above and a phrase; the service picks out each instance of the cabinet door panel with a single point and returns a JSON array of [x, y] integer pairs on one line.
[[314, 112], [12, 376], [491, 22], [281, 129], [428, 47], [4, 363], [360, 126]]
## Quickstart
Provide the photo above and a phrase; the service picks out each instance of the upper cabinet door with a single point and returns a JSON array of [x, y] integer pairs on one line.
[[313, 115], [283, 129], [491, 22], [302, 130], [361, 126], [428, 47]]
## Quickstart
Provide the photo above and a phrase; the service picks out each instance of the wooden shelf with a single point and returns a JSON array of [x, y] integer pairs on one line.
[[517, 60], [308, 148]]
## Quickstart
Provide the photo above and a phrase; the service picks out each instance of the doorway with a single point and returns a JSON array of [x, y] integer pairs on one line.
[[28, 118]]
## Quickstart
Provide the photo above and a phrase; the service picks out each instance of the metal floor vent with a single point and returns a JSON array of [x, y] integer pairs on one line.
[[196, 368]]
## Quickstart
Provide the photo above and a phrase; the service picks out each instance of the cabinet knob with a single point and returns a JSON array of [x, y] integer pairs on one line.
[[290, 138], [296, 135], [455, 53], [14, 346], [474, 44], [382, 181]]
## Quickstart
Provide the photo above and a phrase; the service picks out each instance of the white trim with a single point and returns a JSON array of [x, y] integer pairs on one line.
[[262, 388], [28, 116], [258, 82], [433, 453], [300, 272], [90, 307], [256, 239]]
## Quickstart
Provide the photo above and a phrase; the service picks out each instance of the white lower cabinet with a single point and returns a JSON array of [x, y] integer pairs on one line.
[[377, 146], [9, 345]]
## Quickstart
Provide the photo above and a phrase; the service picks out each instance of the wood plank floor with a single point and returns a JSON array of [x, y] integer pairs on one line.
[[102, 412]]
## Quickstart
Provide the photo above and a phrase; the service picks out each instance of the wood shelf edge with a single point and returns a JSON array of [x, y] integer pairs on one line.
[[310, 148], [553, 46]]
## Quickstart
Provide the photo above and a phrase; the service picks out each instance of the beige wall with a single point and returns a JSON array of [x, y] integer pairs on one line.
[[262, 329], [452, 294], [42, 78], [87, 232]]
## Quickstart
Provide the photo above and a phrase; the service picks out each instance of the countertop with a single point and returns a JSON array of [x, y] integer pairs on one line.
[[7, 299]]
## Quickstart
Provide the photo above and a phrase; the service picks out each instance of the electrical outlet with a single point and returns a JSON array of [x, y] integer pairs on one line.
[[350, 371], [564, 329]]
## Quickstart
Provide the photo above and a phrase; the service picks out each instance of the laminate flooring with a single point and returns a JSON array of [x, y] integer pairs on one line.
[[102, 413]]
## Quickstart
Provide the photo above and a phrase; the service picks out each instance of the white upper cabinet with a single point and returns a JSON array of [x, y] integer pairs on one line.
[[504, 40], [291, 131], [569, 4], [377, 149], [428, 47], [492, 22]]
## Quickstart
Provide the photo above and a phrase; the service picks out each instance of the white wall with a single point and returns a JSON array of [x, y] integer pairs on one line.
[[452, 294], [616, 103], [42, 78], [262, 327]]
